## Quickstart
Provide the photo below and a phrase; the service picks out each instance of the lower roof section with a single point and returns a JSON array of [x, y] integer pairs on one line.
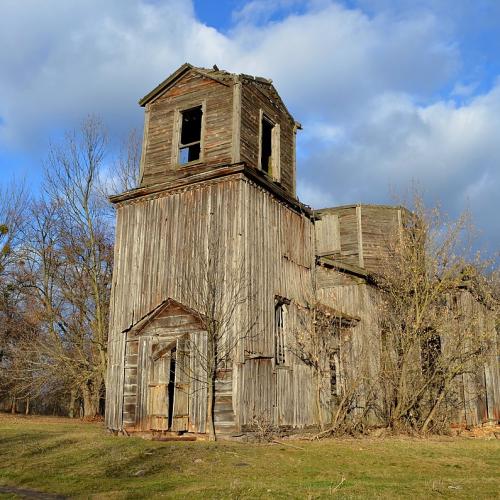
[[217, 172]]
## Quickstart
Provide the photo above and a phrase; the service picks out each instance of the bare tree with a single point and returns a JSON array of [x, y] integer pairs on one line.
[[72, 177], [123, 172], [55, 273], [67, 266], [321, 340], [13, 203], [428, 338], [220, 293]]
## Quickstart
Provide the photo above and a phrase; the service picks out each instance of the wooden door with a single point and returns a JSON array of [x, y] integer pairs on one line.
[[158, 401], [158, 407]]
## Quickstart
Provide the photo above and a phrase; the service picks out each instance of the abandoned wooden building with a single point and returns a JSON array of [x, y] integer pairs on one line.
[[216, 218]]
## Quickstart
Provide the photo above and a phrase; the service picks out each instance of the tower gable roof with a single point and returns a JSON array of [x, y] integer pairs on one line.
[[223, 77]]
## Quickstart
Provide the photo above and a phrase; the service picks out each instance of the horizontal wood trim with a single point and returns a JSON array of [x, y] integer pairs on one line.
[[216, 172]]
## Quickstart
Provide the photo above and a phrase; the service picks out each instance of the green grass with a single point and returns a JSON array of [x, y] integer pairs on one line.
[[81, 460]]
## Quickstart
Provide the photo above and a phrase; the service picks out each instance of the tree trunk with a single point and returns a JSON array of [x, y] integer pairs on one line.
[[90, 400], [210, 410], [211, 373], [433, 410], [27, 409], [13, 408], [72, 402], [319, 406]]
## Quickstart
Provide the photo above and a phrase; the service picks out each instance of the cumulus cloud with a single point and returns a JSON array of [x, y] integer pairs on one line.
[[451, 150], [378, 86], [328, 62], [87, 56], [84, 56]]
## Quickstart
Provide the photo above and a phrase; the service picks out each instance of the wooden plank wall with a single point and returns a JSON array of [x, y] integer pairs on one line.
[[379, 226], [479, 391], [254, 97], [191, 90], [165, 238], [363, 235], [198, 389], [349, 241], [278, 249], [328, 235], [141, 371], [360, 345]]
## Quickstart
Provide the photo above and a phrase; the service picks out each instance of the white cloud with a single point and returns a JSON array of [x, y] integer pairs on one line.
[[451, 150], [329, 62], [87, 56], [461, 89], [363, 83]]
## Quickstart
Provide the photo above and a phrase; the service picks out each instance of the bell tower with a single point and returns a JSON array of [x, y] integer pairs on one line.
[[198, 120], [214, 225]]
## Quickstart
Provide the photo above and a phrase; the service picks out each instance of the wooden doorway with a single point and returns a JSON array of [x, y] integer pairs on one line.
[[169, 387]]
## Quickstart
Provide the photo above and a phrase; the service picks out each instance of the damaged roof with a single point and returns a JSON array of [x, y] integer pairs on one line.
[[221, 76]]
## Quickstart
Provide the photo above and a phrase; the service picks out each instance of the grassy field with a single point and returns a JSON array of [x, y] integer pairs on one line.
[[70, 458]]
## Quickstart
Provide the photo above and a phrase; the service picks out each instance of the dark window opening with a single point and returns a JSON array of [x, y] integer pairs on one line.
[[171, 388], [334, 375], [190, 139], [279, 333], [266, 141], [430, 353]]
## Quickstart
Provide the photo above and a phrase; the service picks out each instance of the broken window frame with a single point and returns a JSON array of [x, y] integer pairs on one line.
[[431, 351], [335, 375], [179, 145], [280, 318], [274, 169]]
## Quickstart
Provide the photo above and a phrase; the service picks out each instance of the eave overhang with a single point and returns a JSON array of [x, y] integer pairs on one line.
[[217, 172]]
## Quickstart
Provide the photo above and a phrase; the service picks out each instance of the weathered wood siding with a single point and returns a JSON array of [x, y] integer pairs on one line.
[[160, 240], [360, 344], [345, 248], [146, 373], [480, 390], [278, 249], [192, 89], [255, 97], [328, 235], [358, 235], [379, 225], [477, 394]]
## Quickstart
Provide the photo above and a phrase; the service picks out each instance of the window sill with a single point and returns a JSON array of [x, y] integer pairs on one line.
[[270, 177], [189, 163]]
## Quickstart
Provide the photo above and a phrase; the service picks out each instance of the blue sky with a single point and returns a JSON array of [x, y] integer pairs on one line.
[[389, 92]]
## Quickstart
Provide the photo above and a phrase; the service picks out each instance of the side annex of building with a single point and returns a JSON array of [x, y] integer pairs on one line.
[[215, 220]]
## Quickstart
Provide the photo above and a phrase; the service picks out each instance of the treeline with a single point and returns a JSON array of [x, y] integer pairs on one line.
[[56, 261]]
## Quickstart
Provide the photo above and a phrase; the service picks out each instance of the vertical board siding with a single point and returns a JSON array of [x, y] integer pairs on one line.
[[256, 97], [360, 345], [198, 386], [163, 240], [327, 234], [479, 389], [191, 90], [379, 226], [363, 234]]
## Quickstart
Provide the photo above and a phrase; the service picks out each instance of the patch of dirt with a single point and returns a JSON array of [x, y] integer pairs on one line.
[[481, 432], [26, 493]]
